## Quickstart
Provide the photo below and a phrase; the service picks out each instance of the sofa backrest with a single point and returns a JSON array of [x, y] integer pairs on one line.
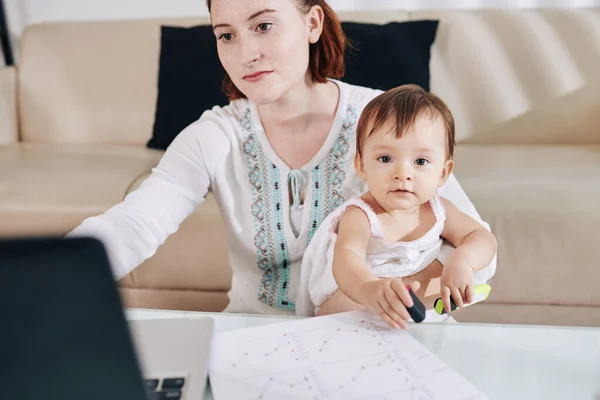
[[519, 76], [96, 82], [524, 77]]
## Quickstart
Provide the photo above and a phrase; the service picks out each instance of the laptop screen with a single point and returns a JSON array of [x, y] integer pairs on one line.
[[64, 335]]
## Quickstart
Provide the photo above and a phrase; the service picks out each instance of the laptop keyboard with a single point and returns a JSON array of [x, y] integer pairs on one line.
[[165, 388]]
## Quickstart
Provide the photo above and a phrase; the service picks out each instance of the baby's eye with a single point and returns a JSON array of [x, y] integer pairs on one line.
[[421, 161], [385, 159], [226, 37], [265, 26]]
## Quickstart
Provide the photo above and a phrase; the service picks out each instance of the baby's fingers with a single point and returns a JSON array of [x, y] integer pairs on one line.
[[445, 292], [387, 314], [398, 308], [469, 293], [457, 296]]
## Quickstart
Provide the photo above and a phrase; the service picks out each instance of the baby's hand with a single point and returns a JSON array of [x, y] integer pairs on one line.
[[456, 281], [388, 298]]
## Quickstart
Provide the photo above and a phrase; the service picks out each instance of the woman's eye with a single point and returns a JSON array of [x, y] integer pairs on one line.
[[385, 159], [226, 37], [421, 161], [265, 26]]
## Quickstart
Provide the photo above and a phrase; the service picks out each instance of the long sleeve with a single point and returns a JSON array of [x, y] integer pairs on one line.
[[453, 191], [133, 230]]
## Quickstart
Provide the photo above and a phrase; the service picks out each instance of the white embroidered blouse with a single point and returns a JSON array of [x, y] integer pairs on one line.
[[226, 152]]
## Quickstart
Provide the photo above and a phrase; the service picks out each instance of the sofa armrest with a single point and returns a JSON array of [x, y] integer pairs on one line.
[[8, 106]]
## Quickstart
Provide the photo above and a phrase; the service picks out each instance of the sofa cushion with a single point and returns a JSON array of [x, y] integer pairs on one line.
[[190, 73], [90, 82], [189, 80], [389, 55], [542, 203], [173, 299], [50, 189]]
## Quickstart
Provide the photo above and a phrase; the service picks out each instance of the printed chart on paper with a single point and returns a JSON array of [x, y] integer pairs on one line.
[[343, 356]]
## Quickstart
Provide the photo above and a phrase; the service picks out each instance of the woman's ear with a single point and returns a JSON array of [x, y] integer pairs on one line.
[[315, 16], [359, 167], [448, 167]]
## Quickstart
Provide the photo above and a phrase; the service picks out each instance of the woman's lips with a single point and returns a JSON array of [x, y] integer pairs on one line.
[[256, 76]]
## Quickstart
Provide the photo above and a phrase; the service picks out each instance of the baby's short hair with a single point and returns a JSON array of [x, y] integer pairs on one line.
[[397, 109]]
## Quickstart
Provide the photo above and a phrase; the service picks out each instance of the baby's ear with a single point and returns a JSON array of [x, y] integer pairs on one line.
[[448, 167], [359, 166]]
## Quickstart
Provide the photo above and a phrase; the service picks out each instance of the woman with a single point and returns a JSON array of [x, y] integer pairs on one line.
[[278, 158]]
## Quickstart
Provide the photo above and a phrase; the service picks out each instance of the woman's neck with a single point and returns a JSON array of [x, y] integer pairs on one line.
[[300, 103], [298, 125]]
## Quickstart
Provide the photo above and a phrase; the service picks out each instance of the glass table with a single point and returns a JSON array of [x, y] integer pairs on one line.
[[503, 361]]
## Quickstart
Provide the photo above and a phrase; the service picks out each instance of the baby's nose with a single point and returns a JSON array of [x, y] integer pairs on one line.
[[402, 172]]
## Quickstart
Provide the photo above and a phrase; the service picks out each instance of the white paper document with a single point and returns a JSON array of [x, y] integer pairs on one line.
[[343, 356]]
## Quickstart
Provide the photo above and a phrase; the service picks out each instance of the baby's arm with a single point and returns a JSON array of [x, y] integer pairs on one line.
[[475, 249], [474, 244], [387, 298], [453, 191], [349, 268]]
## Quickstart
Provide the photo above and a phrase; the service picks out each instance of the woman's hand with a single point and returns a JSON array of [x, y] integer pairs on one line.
[[389, 299]]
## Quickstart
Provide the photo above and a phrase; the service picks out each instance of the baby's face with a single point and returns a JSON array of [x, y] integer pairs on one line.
[[403, 173]]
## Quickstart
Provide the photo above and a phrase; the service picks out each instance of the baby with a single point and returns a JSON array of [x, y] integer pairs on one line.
[[405, 144]]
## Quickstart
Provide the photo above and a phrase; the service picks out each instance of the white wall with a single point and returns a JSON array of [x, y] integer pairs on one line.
[[21, 13]]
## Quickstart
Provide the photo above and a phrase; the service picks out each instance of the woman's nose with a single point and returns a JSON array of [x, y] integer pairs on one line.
[[249, 51]]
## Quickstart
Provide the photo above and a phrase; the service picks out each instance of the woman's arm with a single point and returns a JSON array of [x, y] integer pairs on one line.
[[133, 230]]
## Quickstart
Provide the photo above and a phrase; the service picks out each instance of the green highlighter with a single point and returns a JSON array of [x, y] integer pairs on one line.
[[481, 292]]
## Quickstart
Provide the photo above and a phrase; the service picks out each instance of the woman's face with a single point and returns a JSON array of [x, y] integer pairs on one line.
[[264, 44]]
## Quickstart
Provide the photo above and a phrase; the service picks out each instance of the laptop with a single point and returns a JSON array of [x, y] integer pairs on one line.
[[64, 335]]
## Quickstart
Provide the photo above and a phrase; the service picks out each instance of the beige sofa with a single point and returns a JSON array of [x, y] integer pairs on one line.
[[76, 115]]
